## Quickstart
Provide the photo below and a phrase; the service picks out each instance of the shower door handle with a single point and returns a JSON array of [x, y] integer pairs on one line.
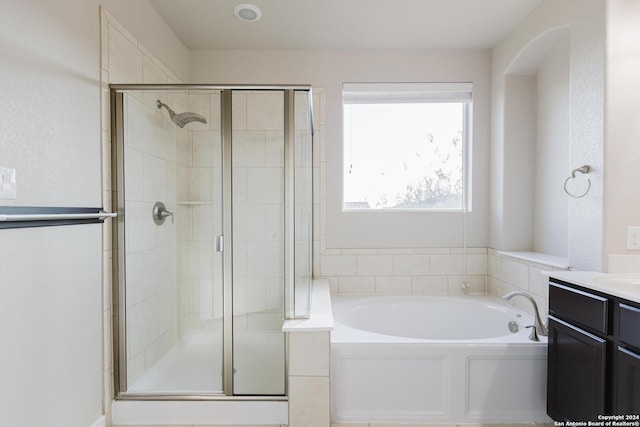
[[220, 243]]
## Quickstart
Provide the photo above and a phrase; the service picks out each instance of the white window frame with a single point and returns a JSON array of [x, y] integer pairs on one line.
[[367, 93]]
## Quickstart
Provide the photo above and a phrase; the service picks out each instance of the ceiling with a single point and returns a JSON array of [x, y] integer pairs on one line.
[[344, 24]]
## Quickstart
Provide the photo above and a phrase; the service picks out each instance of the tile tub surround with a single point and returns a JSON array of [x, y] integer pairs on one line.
[[420, 271], [508, 272]]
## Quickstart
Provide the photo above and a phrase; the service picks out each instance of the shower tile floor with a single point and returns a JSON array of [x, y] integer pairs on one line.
[[194, 365]]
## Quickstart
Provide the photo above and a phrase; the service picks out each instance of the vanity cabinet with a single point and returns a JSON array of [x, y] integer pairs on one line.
[[594, 354], [628, 381]]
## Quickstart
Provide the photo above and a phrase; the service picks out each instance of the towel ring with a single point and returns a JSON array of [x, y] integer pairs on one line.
[[584, 170]]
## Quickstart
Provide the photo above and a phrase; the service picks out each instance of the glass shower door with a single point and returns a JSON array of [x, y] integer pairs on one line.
[[212, 246], [171, 199], [258, 177]]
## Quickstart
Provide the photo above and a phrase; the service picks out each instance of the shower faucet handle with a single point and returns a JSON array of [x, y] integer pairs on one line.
[[160, 213]]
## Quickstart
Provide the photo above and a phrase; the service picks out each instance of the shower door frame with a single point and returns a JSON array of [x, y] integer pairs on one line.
[[117, 92]]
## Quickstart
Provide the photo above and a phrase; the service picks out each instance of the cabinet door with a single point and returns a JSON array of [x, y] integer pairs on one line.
[[628, 401], [576, 373]]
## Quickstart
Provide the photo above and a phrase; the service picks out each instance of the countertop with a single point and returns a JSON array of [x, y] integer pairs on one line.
[[624, 285]]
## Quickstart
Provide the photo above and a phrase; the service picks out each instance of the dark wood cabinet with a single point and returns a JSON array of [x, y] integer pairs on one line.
[[576, 374], [594, 354], [628, 390]]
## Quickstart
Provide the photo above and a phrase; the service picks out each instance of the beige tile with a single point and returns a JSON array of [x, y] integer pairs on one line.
[[337, 265], [215, 111], [394, 285], [446, 264], [538, 283], [309, 353], [274, 149], [200, 182], [265, 111], [357, 285], [476, 263], [239, 111], [151, 73], [476, 284], [440, 251], [493, 265], [309, 402], [125, 59], [359, 251], [104, 40], [397, 251], [411, 265], [374, 265], [199, 103], [249, 149], [514, 273], [350, 425], [469, 250], [429, 284]]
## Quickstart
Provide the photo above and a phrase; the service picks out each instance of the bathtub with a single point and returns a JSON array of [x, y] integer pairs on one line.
[[435, 359]]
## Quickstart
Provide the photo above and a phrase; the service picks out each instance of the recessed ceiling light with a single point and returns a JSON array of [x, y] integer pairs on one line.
[[247, 12]]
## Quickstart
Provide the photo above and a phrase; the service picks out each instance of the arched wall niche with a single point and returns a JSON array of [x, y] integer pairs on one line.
[[536, 148]]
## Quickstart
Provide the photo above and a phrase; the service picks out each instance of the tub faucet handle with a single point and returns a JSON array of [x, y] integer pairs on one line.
[[533, 336]]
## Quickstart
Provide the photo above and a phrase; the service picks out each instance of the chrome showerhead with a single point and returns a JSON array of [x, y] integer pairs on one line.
[[182, 118]]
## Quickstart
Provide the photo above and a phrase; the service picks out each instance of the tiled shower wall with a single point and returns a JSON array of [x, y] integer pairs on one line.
[[151, 299], [258, 202], [199, 212]]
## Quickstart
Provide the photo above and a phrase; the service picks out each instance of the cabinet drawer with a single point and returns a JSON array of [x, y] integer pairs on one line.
[[629, 331], [578, 306]]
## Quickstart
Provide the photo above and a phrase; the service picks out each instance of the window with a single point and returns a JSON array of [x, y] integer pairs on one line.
[[405, 146]]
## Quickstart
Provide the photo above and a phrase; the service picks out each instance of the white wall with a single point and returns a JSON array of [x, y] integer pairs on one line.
[[622, 155], [329, 69], [585, 20], [550, 226], [50, 280]]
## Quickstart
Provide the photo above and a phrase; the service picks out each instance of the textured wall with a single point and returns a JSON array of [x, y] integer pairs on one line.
[[51, 297], [622, 135], [585, 20]]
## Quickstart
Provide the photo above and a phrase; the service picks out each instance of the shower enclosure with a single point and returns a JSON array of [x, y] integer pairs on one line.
[[212, 247]]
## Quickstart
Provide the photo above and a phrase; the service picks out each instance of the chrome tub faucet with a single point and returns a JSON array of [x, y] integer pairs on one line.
[[540, 328]]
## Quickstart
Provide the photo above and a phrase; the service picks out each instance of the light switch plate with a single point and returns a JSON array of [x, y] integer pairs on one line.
[[8, 186]]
